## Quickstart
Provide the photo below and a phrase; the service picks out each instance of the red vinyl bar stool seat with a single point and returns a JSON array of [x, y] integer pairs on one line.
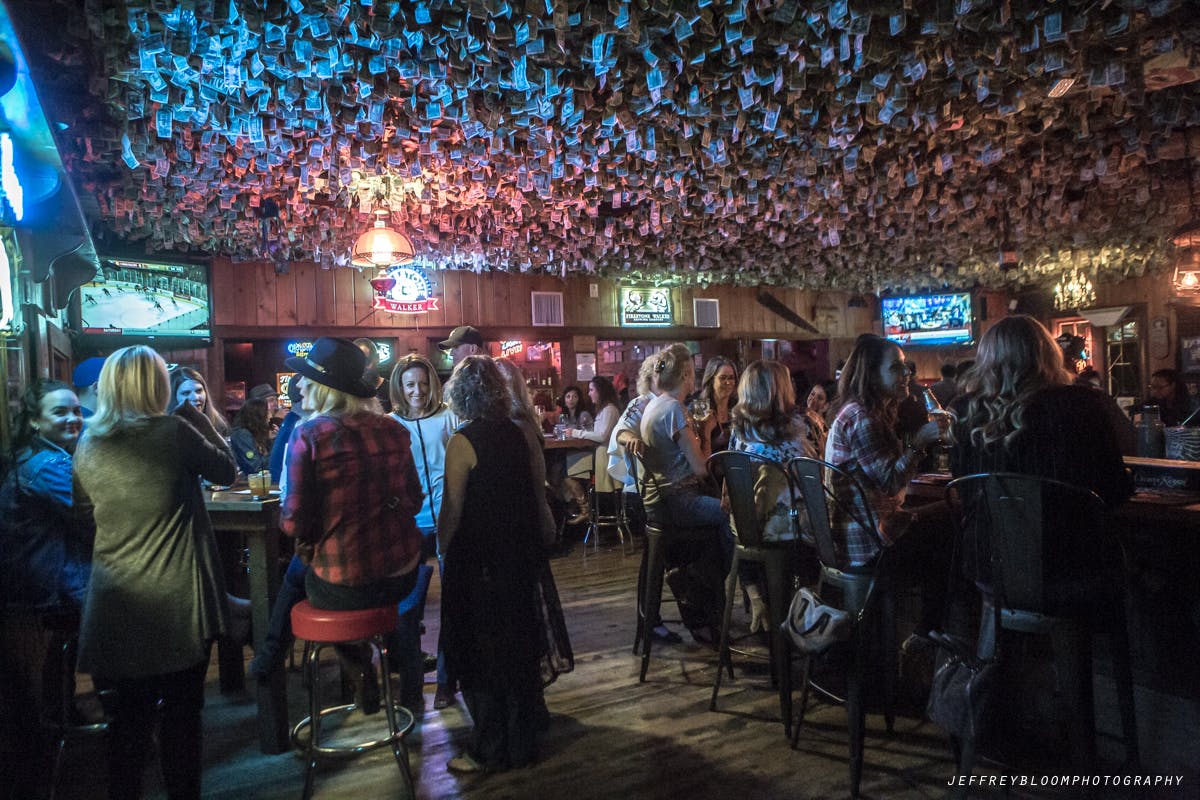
[[322, 628]]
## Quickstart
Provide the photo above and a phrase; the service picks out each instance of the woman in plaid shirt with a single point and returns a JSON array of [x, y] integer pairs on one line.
[[863, 442]]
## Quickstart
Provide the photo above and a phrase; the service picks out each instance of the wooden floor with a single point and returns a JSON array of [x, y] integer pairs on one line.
[[611, 737]]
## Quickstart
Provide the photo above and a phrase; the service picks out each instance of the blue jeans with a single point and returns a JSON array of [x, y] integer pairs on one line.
[[691, 509]]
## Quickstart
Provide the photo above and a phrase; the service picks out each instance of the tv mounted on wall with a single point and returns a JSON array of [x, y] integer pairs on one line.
[[928, 319], [165, 303]]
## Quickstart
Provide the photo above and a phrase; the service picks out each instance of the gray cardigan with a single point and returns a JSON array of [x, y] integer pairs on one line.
[[157, 596]]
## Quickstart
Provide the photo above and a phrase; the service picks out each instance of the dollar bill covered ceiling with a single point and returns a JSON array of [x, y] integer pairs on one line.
[[858, 145]]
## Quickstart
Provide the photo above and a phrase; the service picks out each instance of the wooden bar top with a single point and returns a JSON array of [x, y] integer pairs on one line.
[[1171, 463], [240, 500]]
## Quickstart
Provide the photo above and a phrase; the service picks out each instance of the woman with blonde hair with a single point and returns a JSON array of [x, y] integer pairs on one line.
[[767, 423], [189, 386], [349, 493], [156, 599], [676, 487]]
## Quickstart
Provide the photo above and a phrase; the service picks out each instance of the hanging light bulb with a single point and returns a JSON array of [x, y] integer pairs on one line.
[[1187, 272], [380, 246]]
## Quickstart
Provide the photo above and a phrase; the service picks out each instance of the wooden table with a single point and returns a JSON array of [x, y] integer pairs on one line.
[[549, 443], [239, 514]]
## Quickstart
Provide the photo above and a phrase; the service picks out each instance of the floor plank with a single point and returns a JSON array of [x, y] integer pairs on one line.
[[611, 737]]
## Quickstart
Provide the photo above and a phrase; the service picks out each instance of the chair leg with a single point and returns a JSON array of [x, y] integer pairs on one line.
[[641, 597], [1073, 660], [856, 712], [1123, 675], [723, 656], [399, 748], [804, 678], [887, 619], [653, 595], [964, 757], [780, 655]]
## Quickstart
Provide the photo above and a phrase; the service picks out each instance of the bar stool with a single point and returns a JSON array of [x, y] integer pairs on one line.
[[603, 486], [321, 628]]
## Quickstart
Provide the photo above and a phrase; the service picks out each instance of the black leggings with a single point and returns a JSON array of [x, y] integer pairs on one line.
[[131, 726]]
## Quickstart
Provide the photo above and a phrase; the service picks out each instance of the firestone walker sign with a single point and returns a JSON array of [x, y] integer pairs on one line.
[[403, 290], [646, 307]]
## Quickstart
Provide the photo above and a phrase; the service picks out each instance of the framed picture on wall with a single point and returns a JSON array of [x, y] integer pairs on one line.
[[1189, 354]]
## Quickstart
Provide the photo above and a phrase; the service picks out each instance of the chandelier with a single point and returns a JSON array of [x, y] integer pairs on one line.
[[1187, 240], [380, 246], [1073, 290]]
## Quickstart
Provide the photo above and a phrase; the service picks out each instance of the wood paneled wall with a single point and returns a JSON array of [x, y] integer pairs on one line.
[[251, 300]]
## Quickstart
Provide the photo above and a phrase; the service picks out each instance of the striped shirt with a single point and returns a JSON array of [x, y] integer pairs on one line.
[[351, 492]]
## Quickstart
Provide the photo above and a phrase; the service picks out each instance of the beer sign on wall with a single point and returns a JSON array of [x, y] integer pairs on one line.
[[403, 290], [646, 307]]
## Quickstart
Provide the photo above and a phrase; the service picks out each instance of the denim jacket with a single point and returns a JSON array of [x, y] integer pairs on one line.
[[45, 551]]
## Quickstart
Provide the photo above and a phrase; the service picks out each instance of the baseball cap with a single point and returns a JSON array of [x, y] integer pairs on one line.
[[463, 334], [87, 372]]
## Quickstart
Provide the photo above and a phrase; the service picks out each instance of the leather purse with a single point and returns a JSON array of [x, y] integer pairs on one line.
[[962, 690], [813, 626]]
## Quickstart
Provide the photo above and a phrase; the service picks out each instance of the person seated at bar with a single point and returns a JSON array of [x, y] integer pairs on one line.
[[45, 559], [766, 422], [1175, 405], [575, 411], [189, 386], [864, 443], [279, 446], [349, 496], [155, 601], [1073, 349], [1021, 413], [676, 488], [488, 536], [816, 407], [603, 398], [250, 437], [416, 398], [711, 407]]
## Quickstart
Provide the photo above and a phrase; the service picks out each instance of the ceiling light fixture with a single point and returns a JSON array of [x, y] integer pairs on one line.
[[380, 246], [1073, 291], [1187, 238]]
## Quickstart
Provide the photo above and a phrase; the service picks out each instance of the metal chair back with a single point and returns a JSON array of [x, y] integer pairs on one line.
[[746, 477], [1003, 523], [816, 481]]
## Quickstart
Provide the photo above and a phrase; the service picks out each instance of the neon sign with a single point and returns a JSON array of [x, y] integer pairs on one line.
[[403, 290], [510, 348], [300, 349], [13, 193]]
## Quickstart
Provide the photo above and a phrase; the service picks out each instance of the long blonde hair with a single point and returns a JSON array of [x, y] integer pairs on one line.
[[133, 387], [1017, 357], [324, 401]]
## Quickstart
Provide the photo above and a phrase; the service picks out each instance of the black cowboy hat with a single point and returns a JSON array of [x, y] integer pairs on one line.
[[336, 363]]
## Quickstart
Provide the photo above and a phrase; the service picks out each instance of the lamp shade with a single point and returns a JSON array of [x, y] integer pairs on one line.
[[1187, 272], [380, 246]]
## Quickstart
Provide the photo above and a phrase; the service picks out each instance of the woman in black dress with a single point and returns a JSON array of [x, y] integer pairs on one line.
[[488, 536]]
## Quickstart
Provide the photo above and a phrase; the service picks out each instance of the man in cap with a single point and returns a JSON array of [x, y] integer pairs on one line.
[[464, 341], [85, 378]]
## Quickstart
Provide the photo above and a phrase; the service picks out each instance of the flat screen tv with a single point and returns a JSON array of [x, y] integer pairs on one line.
[[928, 319], [162, 303]]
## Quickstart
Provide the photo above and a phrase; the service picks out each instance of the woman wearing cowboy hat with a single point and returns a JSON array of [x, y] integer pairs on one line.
[[350, 492]]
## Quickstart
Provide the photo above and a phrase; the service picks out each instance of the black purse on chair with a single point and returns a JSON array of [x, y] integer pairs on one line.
[[962, 691]]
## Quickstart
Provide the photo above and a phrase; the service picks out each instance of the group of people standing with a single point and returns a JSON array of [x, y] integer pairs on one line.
[[109, 531]]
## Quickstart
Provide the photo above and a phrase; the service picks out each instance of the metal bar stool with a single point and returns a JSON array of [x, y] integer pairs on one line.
[[321, 628]]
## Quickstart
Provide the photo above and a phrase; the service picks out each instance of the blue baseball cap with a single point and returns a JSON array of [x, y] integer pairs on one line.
[[87, 372]]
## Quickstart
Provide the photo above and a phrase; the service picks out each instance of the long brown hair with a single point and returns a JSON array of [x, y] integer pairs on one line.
[[255, 418], [765, 404], [1017, 357], [859, 382]]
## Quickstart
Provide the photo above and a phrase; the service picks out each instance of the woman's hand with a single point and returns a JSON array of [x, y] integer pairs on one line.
[[932, 432]]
